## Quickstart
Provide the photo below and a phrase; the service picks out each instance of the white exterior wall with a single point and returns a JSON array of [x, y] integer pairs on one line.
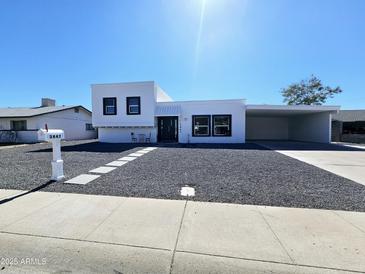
[[27, 136], [145, 90], [5, 123], [74, 125], [118, 128], [311, 127], [234, 107], [188, 109], [123, 135], [261, 128]]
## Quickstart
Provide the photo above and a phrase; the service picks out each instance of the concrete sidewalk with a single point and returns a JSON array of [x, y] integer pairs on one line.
[[59, 232]]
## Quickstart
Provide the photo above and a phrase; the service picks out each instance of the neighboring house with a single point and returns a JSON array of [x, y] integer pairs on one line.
[[21, 124], [349, 126], [134, 112]]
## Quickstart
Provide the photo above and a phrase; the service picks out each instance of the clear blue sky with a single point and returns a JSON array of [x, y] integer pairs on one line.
[[194, 49]]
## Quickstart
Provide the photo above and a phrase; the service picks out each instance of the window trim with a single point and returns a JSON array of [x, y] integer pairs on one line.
[[128, 105], [230, 125], [193, 124], [104, 106]]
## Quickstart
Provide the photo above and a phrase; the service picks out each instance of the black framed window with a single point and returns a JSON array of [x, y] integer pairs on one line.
[[110, 106], [133, 105], [357, 127], [18, 125], [201, 125], [222, 125], [89, 127]]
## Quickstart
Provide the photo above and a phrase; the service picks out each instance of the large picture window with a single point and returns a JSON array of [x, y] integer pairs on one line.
[[133, 105], [18, 125], [222, 125], [201, 125], [110, 106], [357, 127]]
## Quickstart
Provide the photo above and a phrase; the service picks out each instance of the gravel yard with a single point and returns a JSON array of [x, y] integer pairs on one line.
[[244, 174], [29, 166]]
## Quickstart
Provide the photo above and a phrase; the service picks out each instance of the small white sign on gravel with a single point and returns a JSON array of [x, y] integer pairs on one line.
[[127, 158], [117, 163], [187, 191], [82, 179], [103, 169]]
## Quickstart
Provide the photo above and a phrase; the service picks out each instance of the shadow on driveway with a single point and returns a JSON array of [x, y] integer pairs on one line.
[[309, 146]]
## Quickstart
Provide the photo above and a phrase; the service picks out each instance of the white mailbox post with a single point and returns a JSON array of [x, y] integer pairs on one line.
[[54, 136]]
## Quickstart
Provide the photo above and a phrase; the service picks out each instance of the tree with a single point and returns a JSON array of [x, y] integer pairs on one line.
[[308, 92]]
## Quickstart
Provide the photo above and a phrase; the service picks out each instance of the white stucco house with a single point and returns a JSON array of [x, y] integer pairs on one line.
[[21, 124], [133, 112]]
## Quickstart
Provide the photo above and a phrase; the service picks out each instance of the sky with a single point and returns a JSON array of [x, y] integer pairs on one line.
[[194, 49]]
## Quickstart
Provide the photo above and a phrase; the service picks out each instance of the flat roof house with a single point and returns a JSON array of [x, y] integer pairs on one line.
[[140, 111], [21, 124]]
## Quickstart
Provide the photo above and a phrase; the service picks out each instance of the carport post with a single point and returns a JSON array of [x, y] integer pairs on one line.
[[57, 163]]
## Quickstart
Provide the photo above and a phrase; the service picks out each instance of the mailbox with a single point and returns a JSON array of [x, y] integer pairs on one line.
[[51, 134], [54, 136]]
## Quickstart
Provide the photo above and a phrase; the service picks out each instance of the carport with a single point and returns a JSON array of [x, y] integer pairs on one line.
[[296, 123]]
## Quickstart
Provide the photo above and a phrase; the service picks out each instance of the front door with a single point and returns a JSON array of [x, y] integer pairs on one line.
[[167, 129]]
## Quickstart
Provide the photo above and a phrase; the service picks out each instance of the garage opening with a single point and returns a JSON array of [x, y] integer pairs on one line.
[[294, 123]]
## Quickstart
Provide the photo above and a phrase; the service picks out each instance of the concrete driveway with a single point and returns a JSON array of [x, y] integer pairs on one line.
[[345, 161]]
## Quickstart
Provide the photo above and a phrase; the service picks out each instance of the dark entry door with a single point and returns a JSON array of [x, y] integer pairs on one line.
[[167, 129]]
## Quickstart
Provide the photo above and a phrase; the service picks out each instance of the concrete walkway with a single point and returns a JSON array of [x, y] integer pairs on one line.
[[13, 146], [348, 164], [59, 232]]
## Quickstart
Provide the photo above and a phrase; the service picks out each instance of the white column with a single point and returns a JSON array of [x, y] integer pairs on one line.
[[57, 163]]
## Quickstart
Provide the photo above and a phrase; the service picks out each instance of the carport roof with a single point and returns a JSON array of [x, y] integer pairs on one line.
[[285, 110]]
